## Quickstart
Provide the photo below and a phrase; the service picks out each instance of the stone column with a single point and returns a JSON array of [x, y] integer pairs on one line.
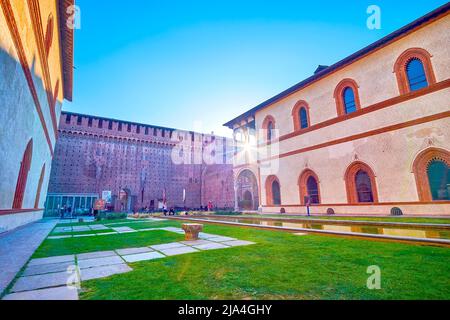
[[236, 203]]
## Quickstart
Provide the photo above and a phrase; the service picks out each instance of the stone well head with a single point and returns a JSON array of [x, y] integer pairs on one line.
[[192, 230]]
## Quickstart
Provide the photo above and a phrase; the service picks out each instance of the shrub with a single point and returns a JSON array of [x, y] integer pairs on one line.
[[111, 216]]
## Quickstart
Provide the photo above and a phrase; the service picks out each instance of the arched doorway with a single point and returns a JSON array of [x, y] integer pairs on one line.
[[247, 201], [247, 191], [431, 169], [125, 200]]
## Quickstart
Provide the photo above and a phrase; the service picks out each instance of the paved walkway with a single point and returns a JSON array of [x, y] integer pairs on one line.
[[58, 278], [16, 248]]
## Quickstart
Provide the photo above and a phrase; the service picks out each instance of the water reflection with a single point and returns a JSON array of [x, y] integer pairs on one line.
[[390, 231]]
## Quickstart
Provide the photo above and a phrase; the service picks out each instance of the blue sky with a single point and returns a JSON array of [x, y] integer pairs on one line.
[[197, 64]]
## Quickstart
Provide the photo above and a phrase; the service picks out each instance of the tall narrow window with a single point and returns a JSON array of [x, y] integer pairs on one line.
[[79, 120], [110, 125], [313, 190], [349, 100], [68, 118], [269, 131], [361, 184], [363, 187], [100, 123], [268, 127], [417, 78], [120, 126], [309, 187], [276, 193], [439, 180], [303, 115], [21, 185], [38, 193]]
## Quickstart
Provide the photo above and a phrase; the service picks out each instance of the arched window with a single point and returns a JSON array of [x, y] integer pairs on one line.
[[38, 193], [432, 176], [309, 187], [21, 185], [303, 115], [439, 180], [269, 131], [300, 114], [349, 100], [363, 187], [416, 75], [276, 193], [346, 95], [273, 191], [414, 70], [269, 126], [360, 183]]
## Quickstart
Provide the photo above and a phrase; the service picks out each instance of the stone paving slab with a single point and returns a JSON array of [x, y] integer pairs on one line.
[[124, 229], [149, 229], [172, 245], [206, 236], [47, 268], [143, 257], [98, 227], [58, 237], [178, 251], [237, 243], [106, 234], [43, 281], [195, 242], [104, 271], [99, 262], [94, 255], [173, 229], [211, 246], [80, 228], [62, 229], [51, 294], [17, 246], [124, 252], [221, 239], [50, 260]]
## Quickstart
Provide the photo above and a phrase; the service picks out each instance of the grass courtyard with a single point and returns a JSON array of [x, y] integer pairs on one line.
[[279, 266]]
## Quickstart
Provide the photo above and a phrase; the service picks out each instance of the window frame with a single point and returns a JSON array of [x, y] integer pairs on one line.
[[339, 96], [400, 68], [296, 115]]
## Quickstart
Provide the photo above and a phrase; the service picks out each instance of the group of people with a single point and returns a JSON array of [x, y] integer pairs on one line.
[[65, 210]]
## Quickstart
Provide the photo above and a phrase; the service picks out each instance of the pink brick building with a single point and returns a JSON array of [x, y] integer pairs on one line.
[[137, 166]]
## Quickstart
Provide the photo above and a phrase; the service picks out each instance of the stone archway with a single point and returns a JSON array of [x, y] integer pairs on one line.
[[125, 200], [247, 191]]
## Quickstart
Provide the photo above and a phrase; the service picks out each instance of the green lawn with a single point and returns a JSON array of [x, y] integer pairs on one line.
[[279, 266], [68, 246], [383, 219]]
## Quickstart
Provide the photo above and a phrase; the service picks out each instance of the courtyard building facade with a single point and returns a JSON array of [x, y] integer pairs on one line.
[[134, 166], [36, 65], [365, 135]]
